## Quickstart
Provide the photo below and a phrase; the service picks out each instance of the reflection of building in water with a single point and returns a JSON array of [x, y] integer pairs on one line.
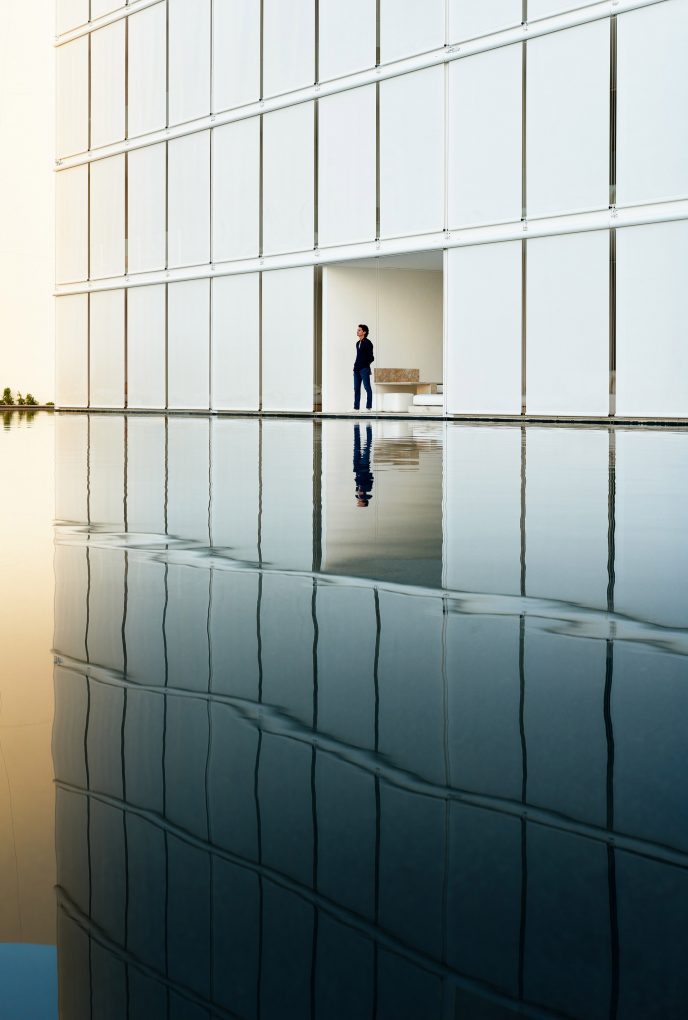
[[271, 779]]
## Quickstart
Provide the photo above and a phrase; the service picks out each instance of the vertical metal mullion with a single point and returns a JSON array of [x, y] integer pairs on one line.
[[377, 122], [126, 348], [613, 74], [524, 218], [612, 322]]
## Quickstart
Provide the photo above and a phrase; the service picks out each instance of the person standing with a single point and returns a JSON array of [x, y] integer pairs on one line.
[[364, 359]]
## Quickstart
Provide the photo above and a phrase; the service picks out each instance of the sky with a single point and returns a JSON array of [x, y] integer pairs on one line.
[[27, 104]]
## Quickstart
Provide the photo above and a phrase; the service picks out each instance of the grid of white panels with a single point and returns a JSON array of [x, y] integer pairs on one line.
[[518, 130]]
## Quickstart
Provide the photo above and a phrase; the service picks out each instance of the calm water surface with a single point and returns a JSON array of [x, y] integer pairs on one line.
[[364, 721]]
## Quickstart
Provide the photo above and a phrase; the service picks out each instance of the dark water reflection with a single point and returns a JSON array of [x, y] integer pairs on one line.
[[417, 754]]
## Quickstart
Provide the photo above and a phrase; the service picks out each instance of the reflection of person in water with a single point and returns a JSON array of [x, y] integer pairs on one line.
[[362, 472]]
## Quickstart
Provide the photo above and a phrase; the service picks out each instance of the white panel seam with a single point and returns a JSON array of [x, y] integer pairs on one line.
[[443, 55], [582, 222]]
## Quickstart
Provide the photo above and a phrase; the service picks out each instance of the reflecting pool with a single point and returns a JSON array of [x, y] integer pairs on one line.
[[370, 720]]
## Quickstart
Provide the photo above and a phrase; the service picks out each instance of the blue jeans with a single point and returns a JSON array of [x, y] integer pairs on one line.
[[362, 375]]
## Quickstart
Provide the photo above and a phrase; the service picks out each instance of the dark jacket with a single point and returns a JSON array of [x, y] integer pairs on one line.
[[364, 353]]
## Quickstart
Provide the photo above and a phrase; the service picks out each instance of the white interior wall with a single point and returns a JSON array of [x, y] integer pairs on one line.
[[402, 307]]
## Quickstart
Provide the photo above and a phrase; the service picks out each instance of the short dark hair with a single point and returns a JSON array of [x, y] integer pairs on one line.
[[365, 329]]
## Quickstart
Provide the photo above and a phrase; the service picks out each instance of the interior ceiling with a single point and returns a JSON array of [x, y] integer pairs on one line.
[[413, 260]]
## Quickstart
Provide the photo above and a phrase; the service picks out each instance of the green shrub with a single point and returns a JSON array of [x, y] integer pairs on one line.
[[7, 398], [31, 400]]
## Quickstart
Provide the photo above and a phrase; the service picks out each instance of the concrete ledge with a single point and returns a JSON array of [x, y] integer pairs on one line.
[[478, 419]]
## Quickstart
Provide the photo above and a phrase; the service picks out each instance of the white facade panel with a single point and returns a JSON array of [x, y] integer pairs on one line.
[[145, 468], [99, 8], [412, 153], [146, 209], [288, 340], [146, 346], [652, 311], [652, 90], [566, 515], [288, 458], [236, 190], [72, 98], [235, 363], [71, 225], [482, 471], [188, 344], [71, 14], [483, 372], [288, 179], [548, 8], [485, 138], [469, 19], [568, 324], [236, 53], [189, 60], [347, 171], [147, 70], [347, 37], [108, 85], [408, 27], [107, 348], [107, 217], [568, 121], [188, 200], [651, 538], [71, 351], [288, 45]]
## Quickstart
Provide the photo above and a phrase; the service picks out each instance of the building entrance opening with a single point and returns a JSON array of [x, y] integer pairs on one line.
[[400, 299]]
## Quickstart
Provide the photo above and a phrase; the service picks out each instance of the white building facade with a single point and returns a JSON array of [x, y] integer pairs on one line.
[[499, 188]]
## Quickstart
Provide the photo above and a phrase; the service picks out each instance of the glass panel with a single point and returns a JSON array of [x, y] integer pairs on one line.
[[412, 153], [236, 190], [147, 68], [107, 217], [485, 138], [346, 37], [652, 150], [189, 59], [146, 209], [568, 324], [72, 98], [146, 346], [288, 340], [236, 342], [236, 53], [107, 349], [189, 200], [188, 344], [484, 329], [288, 172], [288, 45], [410, 26], [652, 354], [107, 85], [347, 167], [568, 121]]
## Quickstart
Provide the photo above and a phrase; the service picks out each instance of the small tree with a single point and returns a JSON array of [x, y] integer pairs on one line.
[[7, 397], [31, 400], [20, 399]]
